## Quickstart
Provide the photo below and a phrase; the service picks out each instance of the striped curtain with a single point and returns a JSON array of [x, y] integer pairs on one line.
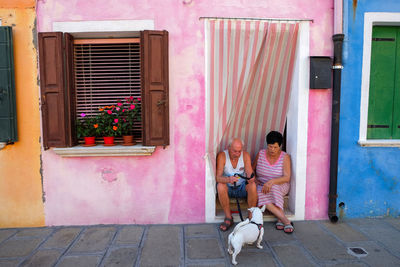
[[250, 65]]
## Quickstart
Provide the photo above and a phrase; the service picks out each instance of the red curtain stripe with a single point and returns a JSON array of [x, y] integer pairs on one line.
[[250, 74]]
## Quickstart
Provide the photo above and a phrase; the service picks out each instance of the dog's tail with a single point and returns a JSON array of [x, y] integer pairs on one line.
[[247, 221]]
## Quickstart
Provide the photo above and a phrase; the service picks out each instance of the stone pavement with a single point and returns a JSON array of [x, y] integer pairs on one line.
[[355, 242]]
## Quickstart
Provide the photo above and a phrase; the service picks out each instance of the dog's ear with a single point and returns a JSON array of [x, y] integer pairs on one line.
[[263, 208]]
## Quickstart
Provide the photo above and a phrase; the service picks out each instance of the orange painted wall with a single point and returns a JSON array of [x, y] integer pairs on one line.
[[21, 202]]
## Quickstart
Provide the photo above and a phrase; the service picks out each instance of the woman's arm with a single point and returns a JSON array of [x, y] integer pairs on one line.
[[285, 178], [255, 162]]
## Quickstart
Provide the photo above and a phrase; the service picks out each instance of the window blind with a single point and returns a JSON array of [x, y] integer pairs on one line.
[[106, 71]]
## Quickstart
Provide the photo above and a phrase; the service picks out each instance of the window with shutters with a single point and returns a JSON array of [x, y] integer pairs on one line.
[[80, 75], [384, 89], [8, 116], [380, 85]]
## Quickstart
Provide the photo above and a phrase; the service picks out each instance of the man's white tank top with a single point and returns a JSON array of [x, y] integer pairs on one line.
[[230, 171]]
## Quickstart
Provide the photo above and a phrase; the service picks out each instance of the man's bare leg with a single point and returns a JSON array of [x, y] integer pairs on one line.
[[251, 189], [224, 199]]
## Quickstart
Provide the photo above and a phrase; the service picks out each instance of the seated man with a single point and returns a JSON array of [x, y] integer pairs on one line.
[[230, 162]]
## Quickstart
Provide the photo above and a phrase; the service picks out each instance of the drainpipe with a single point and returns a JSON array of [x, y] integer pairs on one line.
[[337, 71]]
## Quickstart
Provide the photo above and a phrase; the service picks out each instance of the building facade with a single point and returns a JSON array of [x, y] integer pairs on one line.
[[368, 173], [172, 183], [21, 194]]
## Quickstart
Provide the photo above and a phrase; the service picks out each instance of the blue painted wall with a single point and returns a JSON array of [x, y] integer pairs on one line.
[[368, 177]]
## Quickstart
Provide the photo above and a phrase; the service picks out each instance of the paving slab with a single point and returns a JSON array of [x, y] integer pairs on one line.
[[273, 236], [129, 235], [94, 239], [320, 244], [395, 222], [62, 238], [292, 255], [201, 230], [344, 231], [18, 247], [363, 222], [203, 248], [43, 258], [121, 257], [350, 264], [37, 232], [207, 264], [6, 233], [167, 240], [9, 263], [224, 236], [377, 256], [254, 258], [384, 233], [80, 261]]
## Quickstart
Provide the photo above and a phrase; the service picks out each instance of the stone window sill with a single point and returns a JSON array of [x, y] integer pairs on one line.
[[102, 151], [380, 142]]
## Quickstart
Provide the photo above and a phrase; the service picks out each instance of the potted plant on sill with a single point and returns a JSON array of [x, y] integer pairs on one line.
[[128, 112], [109, 124], [87, 127]]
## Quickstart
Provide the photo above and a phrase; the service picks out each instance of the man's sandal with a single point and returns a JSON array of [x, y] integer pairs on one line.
[[288, 228], [279, 226], [226, 224]]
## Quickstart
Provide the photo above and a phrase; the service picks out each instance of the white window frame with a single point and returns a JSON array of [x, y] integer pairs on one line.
[[372, 19], [297, 128]]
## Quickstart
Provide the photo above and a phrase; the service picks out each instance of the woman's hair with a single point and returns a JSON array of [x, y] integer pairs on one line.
[[274, 137]]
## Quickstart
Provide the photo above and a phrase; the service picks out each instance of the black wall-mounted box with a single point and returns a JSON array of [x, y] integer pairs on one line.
[[320, 72]]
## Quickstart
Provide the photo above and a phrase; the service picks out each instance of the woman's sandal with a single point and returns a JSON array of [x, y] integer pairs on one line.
[[226, 224], [288, 228], [279, 226]]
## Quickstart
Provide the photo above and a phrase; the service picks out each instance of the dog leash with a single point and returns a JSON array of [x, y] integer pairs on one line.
[[235, 186]]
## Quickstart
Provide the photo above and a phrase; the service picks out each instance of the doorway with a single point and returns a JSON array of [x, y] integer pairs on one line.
[[297, 125]]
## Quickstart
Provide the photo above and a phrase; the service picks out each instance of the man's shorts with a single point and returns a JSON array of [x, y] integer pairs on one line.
[[239, 191]]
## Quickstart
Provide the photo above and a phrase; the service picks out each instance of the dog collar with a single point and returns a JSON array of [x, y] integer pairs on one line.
[[259, 225]]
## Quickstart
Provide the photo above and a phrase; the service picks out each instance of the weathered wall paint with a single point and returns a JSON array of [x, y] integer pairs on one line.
[[168, 187], [20, 179], [368, 177]]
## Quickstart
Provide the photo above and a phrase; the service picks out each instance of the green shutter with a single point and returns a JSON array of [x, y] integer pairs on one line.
[[382, 82], [396, 97], [8, 115]]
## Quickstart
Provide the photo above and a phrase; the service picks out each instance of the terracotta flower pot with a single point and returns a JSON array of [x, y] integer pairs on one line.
[[89, 140], [108, 140], [128, 140]]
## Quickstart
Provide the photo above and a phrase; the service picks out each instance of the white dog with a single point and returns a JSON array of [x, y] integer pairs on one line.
[[247, 232]]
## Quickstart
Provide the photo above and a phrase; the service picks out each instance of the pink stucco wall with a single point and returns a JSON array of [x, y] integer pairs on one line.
[[168, 187]]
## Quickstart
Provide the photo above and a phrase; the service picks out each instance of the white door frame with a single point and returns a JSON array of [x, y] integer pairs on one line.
[[297, 128]]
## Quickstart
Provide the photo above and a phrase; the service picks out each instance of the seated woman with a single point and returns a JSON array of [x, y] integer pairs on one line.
[[273, 170]]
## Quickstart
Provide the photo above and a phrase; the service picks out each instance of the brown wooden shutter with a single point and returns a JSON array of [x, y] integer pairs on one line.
[[155, 85], [70, 93], [54, 100]]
